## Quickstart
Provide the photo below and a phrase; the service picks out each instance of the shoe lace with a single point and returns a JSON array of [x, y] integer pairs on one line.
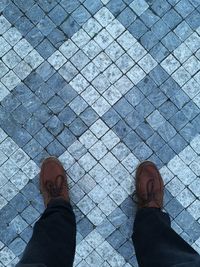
[[54, 189], [147, 198]]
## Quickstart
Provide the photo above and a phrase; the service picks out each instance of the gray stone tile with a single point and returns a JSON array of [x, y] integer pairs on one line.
[[30, 214], [116, 239], [66, 137], [174, 208]]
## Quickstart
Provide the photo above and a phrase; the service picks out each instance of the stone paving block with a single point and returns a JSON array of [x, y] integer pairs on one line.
[[79, 60], [194, 209], [174, 208], [167, 131], [114, 51], [159, 52], [178, 120], [89, 116], [35, 13], [44, 137], [161, 9], [77, 127], [23, 25], [183, 30], [168, 109], [34, 37], [142, 151], [101, 83], [87, 183], [172, 18], [78, 105], [131, 140], [177, 143], [111, 117], [184, 8], [70, 26], [77, 150], [45, 48], [12, 13], [57, 37], [17, 246], [30, 214], [107, 205], [193, 41], [170, 64], [32, 148], [105, 228], [11, 59], [123, 107], [169, 153], [185, 220], [116, 239], [160, 29], [30, 191], [155, 142], [91, 49], [186, 198], [126, 250], [93, 7], [117, 217], [157, 98], [84, 227], [86, 205], [45, 93], [57, 15], [8, 234], [116, 6], [6, 255], [126, 17], [19, 202], [135, 26], [45, 25], [139, 6], [81, 15], [23, 5], [69, 7], [133, 119], [115, 28], [66, 116], [94, 256], [182, 52], [4, 4], [192, 19]]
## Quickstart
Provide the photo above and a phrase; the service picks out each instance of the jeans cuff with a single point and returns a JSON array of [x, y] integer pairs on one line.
[[54, 202]]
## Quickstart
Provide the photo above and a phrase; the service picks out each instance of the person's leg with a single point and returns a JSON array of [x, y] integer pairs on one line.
[[155, 242], [54, 235]]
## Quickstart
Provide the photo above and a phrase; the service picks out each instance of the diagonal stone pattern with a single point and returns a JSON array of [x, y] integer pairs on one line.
[[103, 94]]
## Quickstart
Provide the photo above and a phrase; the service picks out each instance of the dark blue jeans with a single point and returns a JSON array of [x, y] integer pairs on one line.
[[156, 243]]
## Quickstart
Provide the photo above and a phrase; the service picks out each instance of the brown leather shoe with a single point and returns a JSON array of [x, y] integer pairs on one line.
[[53, 180], [149, 186]]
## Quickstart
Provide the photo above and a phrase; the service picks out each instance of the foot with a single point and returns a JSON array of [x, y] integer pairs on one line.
[[53, 180], [149, 186]]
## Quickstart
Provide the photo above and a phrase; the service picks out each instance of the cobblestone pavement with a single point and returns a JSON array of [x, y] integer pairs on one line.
[[102, 85]]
